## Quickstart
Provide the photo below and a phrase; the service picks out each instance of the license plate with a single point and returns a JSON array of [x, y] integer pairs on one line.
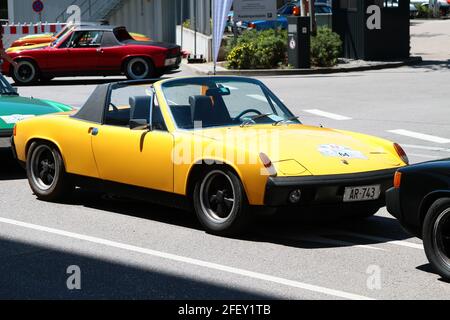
[[5, 143], [365, 193]]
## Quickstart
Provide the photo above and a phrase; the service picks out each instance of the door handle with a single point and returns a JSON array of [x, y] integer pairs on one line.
[[93, 131], [100, 50]]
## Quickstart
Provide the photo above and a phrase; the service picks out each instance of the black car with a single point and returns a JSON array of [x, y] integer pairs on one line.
[[420, 200]]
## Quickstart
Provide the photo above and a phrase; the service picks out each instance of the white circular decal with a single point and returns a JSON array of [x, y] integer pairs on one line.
[[292, 44]]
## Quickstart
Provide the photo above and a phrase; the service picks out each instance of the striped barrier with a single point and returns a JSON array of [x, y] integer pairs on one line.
[[12, 32]]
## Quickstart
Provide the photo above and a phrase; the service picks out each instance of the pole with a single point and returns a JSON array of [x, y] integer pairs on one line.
[[213, 36], [182, 22], [195, 28]]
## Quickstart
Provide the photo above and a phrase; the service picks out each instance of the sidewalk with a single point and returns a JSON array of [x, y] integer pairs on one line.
[[431, 40], [344, 65]]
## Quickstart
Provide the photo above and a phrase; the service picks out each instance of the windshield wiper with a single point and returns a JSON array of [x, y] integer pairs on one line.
[[252, 119], [285, 120]]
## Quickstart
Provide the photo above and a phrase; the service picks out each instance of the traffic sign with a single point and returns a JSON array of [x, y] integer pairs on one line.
[[38, 6], [250, 10]]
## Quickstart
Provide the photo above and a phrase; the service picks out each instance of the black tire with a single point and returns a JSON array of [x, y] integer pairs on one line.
[[46, 173], [25, 73], [211, 192], [139, 68], [436, 236]]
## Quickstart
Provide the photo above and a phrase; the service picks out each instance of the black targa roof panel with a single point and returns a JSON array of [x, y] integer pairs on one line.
[[94, 107]]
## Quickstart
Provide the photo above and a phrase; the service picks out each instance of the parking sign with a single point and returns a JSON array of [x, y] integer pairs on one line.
[[249, 10]]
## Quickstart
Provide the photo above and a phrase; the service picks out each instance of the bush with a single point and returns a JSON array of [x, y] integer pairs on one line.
[[258, 50], [241, 56], [423, 11], [326, 48]]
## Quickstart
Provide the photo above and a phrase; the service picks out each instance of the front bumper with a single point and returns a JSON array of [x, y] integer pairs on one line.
[[326, 190], [393, 202]]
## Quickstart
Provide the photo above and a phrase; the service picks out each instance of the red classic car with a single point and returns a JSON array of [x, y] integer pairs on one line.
[[94, 50]]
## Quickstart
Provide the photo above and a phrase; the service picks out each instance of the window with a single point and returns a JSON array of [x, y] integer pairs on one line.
[[86, 39], [219, 102]]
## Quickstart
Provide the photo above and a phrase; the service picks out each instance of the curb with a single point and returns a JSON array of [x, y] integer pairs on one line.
[[278, 72]]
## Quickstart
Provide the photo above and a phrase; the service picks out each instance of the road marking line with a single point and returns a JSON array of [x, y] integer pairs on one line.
[[325, 114], [192, 261], [257, 97], [438, 149], [325, 240], [420, 136], [385, 240]]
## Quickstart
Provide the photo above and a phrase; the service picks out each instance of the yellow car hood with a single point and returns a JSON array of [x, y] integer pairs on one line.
[[299, 149], [30, 47]]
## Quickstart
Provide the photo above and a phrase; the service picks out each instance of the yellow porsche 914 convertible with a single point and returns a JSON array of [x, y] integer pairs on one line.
[[224, 146]]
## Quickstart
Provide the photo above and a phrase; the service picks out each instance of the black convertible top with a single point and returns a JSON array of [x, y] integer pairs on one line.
[[94, 108]]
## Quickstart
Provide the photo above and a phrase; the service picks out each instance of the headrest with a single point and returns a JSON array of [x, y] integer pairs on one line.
[[140, 107]]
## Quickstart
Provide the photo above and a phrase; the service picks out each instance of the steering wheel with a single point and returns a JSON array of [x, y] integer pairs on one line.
[[115, 109], [248, 111]]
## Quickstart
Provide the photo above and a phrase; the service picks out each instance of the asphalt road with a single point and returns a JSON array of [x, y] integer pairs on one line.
[[126, 249]]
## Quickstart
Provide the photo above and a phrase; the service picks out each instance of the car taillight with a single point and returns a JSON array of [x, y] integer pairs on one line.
[[397, 180], [296, 11], [174, 51], [15, 130], [401, 153]]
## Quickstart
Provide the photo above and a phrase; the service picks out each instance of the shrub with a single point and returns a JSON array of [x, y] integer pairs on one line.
[[326, 48], [258, 50], [423, 11], [241, 56]]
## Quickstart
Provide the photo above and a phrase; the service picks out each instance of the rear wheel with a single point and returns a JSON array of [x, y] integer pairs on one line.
[[220, 202], [46, 172], [139, 68], [436, 236], [26, 72]]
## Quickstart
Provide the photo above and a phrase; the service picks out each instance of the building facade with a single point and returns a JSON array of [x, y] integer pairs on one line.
[[155, 18]]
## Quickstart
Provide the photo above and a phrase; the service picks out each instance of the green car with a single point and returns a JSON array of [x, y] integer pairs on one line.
[[14, 108]]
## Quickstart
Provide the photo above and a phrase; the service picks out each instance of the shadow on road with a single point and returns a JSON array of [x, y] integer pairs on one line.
[[84, 81], [9, 168], [30, 271], [433, 64], [283, 229], [428, 268]]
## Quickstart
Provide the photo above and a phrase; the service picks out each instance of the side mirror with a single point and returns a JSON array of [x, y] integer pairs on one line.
[[140, 124]]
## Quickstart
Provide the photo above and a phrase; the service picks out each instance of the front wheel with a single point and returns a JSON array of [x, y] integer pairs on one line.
[[46, 173], [139, 68], [25, 73], [220, 202], [436, 236]]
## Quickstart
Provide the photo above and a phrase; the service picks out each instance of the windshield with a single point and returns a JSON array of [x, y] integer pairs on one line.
[[222, 101], [5, 87]]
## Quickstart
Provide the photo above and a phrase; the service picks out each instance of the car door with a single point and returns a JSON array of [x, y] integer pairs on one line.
[[84, 51], [112, 53], [134, 157]]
